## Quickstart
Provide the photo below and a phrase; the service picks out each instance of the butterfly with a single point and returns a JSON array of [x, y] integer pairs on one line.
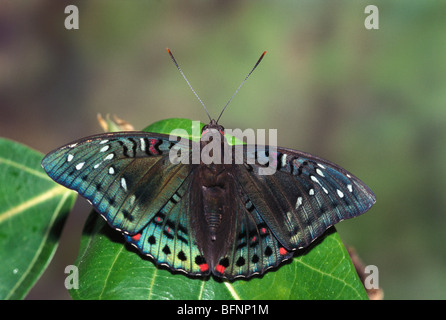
[[224, 218]]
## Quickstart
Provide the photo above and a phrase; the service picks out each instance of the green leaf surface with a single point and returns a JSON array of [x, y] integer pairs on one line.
[[32, 212], [111, 269], [191, 129]]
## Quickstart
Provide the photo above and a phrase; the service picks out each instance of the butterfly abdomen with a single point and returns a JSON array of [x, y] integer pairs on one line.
[[213, 201], [214, 196]]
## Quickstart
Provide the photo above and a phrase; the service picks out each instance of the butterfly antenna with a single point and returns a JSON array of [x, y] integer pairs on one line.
[[179, 69], [252, 70]]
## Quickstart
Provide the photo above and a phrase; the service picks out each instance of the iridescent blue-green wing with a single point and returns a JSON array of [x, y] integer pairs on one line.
[[127, 176], [253, 248], [170, 238], [303, 197]]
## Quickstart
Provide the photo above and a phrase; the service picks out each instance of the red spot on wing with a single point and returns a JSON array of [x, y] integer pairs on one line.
[[219, 268], [204, 267], [136, 237], [152, 146], [283, 251], [263, 230]]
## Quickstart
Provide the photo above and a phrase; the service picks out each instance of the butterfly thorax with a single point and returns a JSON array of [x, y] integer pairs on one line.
[[213, 176]]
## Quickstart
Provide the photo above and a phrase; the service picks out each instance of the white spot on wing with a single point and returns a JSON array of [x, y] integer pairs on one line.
[[111, 170], [317, 181], [283, 160], [109, 157], [298, 202], [314, 179], [340, 193], [105, 148], [70, 157], [143, 144], [103, 141], [319, 172], [311, 192], [350, 187], [123, 184], [80, 165]]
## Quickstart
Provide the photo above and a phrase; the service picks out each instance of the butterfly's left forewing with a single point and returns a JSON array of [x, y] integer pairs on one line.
[[305, 195]]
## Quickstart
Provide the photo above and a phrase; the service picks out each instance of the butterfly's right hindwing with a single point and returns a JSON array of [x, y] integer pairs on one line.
[[169, 237]]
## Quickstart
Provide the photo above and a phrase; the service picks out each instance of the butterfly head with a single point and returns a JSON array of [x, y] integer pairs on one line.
[[212, 127]]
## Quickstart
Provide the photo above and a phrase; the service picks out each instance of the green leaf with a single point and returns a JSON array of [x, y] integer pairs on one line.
[[111, 269], [189, 129], [192, 129], [32, 212]]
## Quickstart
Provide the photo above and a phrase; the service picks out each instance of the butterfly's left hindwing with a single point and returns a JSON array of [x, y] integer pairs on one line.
[[253, 248]]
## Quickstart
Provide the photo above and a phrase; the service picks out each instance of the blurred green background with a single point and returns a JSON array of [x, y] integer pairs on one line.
[[372, 101]]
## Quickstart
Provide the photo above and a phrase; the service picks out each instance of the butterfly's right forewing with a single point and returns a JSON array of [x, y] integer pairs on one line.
[[126, 176]]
